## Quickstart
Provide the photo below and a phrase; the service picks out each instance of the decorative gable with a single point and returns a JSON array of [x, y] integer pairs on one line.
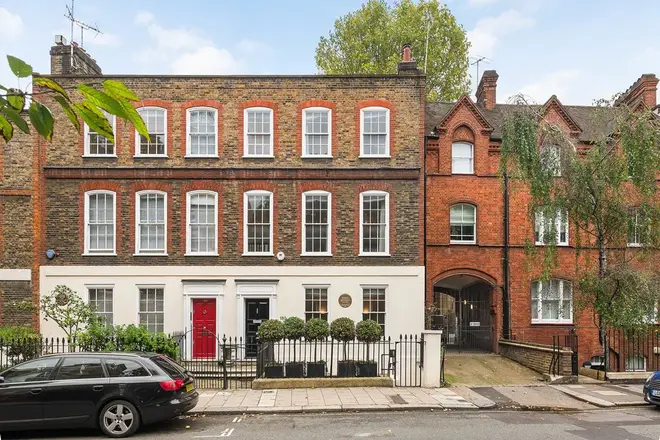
[[554, 104], [465, 102]]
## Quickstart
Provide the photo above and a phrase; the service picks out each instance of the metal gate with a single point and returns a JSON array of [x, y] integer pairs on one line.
[[408, 361], [561, 343], [465, 317]]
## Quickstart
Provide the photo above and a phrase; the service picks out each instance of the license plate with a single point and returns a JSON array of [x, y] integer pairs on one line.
[[655, 392], [189, 388]]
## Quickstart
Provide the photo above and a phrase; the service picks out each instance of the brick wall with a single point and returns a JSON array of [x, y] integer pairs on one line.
[[11, 293], [537, 357]]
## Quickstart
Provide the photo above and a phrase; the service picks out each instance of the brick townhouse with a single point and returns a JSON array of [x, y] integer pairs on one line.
[[470, 236], [255, 197]]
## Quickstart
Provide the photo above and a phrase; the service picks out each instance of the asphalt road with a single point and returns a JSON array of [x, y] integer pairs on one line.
[[630, 424]]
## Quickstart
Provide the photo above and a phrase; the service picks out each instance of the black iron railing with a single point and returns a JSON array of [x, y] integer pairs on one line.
[[632, 350]]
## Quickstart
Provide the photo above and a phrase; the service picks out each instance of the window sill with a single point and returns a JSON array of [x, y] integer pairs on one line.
[[374, 254], [99, 254], [453, 173], [150, 156], [262, 156], [258, 254], [201, 254], [374, 156], [537, 322], [99, 156], [315, 156], [137, 254], [635, 245], [200, 156], [469, 243], [558, 244], [316, 254]]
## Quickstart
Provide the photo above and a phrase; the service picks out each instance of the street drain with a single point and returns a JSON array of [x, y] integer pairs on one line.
[[397, 399]]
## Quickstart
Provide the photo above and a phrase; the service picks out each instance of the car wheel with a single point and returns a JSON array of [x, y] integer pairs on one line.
[[119, 419]]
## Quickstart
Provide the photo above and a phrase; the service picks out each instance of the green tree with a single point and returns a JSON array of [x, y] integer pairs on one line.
[[115, 98], [68, 310], [369, 41], [609, 193]]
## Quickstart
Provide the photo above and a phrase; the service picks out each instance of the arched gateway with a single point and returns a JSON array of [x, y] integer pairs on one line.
[[463, 304]]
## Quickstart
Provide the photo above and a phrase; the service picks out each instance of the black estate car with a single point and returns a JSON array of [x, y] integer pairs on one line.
[[116, 392]]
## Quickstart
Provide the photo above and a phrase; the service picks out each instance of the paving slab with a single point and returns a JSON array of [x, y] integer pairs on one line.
[[545, 397], [605, 396], [474, 397]]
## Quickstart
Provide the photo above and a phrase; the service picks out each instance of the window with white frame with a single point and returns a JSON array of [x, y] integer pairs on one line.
[[152, 314], [317, 123], [316, 303], [373, 305], [317, 220], [463, 223], [100, 300], [155, 118], [548, 228], [462, 158], [97, 144], [258, 132], [100, 225], [552, 301], [639, 227], [151, 222], [202, 132], [551, 159], [202, 223], [258, 228], [375, 132], [374, 223], [636, 362]]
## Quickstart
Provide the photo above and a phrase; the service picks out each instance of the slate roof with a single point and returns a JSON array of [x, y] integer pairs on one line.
[[593, 121]]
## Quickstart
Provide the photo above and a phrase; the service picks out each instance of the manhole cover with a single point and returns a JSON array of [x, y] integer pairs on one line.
[[397, 399]]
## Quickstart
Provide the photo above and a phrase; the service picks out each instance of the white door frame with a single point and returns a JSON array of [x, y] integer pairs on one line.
[[201, 291], [254, 290]]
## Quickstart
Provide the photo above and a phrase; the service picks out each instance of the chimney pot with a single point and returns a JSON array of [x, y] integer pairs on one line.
[[406, 53]]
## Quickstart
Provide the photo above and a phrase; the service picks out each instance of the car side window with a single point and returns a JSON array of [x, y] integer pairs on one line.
[[31, 371], [80, 368], [125, 368]]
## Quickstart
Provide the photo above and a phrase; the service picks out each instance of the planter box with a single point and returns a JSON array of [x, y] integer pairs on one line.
[[294, 369], [346, 369], [367, 369], [274, 371], [325, 382], [316, 369]]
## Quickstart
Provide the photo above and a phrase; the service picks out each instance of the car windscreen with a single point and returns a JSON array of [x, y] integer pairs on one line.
[[169, 366]]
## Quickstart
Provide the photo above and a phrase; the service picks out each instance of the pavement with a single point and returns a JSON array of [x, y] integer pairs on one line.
[[580, 397], [605, 424]]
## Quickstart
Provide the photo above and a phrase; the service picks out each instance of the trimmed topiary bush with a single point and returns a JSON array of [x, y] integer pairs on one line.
[[368, 331], [317, 329], [294, 328], [342, 329], [271, 330]]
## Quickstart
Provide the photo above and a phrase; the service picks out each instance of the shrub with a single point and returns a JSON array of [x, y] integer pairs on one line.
[[99, 337], [317, 329], [294, 328], [19, 343], [368, 331], [343, 329], [271, 330]]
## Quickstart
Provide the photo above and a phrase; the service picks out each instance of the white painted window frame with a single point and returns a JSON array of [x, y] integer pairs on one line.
[[246, 195], [137, 300], [453, 171], [539, 226], [639, 217], [189, 196], [305, 252], [246, 148], [305, 153], [89, 287], [328, 305], [87, 131], [387, 302], [87, 236], [474, 241], [137, 223], [137, 135], [539, 308], [386, 253], [387, 137], [188, 134]]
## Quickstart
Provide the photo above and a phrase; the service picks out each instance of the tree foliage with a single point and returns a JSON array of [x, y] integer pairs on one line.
[[68, 310], [608, 190], [114, 98], [369, 41]]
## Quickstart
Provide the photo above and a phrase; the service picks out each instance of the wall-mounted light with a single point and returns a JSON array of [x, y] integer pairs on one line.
[[51, 253]]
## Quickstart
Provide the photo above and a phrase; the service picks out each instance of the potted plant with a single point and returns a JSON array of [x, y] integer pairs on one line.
[[343, 330], [271, 331], [369, 332], [294, 330], [317, 329]]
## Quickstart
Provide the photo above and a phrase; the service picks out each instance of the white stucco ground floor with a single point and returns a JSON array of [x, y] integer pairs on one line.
[[233, 300]]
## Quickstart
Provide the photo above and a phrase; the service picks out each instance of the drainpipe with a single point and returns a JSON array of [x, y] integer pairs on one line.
[[506, 303]]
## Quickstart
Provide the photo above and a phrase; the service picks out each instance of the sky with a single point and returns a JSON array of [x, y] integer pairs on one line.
[[579, 50]]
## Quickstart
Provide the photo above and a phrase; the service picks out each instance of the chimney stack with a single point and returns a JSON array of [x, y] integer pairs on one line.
[[407, 66], [61, 62], [642, 91], [487, 89]]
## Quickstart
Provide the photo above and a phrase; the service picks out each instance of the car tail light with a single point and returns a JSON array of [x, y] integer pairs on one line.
[[172, 385]]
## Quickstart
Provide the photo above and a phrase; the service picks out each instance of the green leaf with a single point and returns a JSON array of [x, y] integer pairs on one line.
[[16, 118], [95, 119], [16, 98], [49, 84], [134, 118], [41, 119], [6, 129], [68, 110], [102, 100], [118, 90], [20, 68]]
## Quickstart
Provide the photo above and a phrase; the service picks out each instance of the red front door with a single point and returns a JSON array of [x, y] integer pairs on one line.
[[203, 324]]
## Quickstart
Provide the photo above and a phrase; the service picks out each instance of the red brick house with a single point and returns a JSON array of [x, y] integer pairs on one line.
[[478, 272]]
